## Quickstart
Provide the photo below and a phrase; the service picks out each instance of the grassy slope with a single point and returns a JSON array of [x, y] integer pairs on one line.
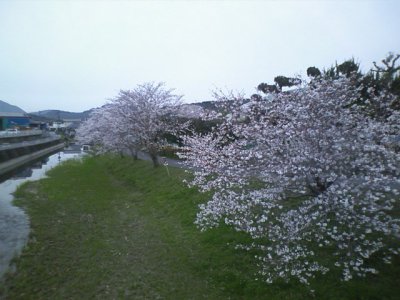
[[115, 228]]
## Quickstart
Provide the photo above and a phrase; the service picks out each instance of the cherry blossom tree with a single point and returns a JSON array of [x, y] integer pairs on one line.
[[137, 119], [94, 131], [148, 114], [305, 173]]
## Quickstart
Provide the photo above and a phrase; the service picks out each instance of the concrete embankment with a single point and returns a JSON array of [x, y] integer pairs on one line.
[[14, 163]]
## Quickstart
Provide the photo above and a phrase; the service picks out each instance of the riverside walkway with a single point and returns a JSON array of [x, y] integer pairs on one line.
[[170, 162]]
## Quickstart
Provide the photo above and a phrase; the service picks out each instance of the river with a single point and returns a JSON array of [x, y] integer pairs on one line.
[[14, 223]]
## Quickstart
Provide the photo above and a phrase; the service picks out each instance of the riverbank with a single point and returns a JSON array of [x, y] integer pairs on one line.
[[14, 223], [116, 228]]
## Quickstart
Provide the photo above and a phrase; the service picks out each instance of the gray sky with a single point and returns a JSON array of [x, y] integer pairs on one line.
[[74, 55]]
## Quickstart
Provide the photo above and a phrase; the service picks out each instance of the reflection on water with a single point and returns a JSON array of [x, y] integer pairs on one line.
[[14, 223]]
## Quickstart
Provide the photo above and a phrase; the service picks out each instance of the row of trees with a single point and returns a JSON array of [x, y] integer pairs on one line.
[[305, 173]]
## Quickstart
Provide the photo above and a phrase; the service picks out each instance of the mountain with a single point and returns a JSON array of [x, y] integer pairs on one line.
[[208, 105], [41, 119], [62, 115], [192, 110], [8, 108]]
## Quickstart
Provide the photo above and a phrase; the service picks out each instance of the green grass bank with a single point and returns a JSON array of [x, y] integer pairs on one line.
[[115, 228]]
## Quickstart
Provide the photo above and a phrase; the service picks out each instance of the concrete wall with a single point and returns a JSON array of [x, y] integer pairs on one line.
[[14, 163]]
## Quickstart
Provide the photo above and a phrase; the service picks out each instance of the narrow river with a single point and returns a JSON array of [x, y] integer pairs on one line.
[[14, 223]]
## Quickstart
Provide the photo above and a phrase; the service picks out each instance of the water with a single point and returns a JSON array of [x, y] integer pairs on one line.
[[14, 223]]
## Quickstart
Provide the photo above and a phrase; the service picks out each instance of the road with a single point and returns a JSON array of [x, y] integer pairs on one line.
[[171, 162]]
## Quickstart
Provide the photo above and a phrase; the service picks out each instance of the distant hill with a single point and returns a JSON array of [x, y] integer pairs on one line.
[[41, 119], [192, 110], [210, 105], [10, 109], [188, 110], [62, 115]]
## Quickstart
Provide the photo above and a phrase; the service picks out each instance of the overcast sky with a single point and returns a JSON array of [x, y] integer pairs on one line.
[[74, 55]]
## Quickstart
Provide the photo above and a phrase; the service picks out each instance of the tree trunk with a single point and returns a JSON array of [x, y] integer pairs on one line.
[[154, 159], [134, 154], [318, 186]]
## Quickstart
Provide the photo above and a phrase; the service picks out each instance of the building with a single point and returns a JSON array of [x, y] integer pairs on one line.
[[12, 117]]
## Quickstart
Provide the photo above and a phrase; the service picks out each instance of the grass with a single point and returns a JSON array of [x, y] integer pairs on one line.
[[114, 228]]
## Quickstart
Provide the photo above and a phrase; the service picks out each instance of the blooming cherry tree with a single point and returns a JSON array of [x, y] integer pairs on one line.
[[147, 114], [303, 172], [95, 131], [135, 120]]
